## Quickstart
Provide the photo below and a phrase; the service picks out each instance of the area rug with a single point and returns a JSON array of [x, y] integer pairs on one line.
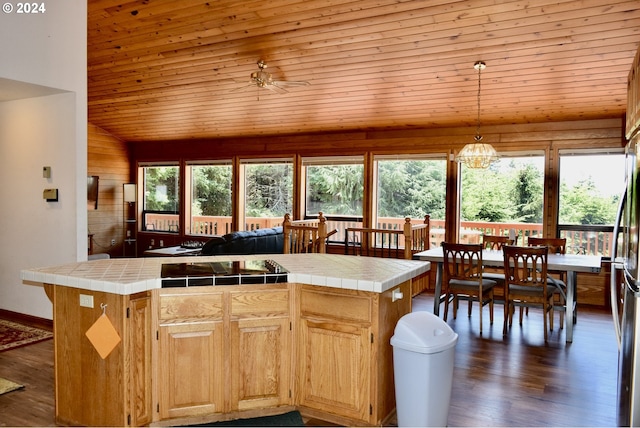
[[291, 419], [8, 386], [14, 335]]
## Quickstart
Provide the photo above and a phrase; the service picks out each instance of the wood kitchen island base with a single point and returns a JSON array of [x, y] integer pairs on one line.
[[191, 355]]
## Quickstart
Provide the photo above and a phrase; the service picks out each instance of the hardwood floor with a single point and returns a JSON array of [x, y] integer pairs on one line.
[[520, 381], [31, 366], [515, 381]]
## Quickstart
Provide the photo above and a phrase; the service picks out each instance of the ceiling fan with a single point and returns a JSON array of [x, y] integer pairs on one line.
[[264, 79]]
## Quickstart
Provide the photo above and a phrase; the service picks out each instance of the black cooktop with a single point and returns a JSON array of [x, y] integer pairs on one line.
[[222, 273]]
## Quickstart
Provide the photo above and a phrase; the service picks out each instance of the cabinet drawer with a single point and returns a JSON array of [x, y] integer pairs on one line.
[[260, 303], [318, 302], [190, 306]]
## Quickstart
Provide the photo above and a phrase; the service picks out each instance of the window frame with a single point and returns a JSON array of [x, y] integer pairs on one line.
[[189, 194], [467, 234], [242, 199], [437, 224], [142, 167], [338, 222], [570, 230]]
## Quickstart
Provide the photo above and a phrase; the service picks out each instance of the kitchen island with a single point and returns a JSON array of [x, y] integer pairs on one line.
[[318, 342]]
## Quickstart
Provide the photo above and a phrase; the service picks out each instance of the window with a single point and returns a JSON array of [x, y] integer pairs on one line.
[[335, 187], [161, 205], [268, 191], [507, 195], [411, 186], [210, 204], [590, 188]]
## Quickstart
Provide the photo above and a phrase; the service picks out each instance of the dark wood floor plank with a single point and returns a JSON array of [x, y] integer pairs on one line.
[[519, 380], [31, 366], [514, 381]]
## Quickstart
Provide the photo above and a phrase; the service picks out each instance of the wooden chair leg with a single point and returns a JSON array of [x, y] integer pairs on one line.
[[506, 316], [544, 322], [512, 309], [490, 310], [521, 311], [447, 297], [455, 306]]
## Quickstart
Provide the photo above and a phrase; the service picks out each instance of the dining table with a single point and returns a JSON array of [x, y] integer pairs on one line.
[[572, 264]]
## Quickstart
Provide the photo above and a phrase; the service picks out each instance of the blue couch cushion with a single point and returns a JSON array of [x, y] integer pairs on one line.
[[207, 247], [259, 241]]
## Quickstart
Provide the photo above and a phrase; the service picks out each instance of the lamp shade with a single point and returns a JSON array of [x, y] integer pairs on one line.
[[129, 192], [477, 155]]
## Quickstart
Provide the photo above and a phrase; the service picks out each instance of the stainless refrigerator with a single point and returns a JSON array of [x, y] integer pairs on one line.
[[625, 290]]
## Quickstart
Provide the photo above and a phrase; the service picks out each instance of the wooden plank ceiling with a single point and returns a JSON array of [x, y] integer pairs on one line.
[[166, 70]]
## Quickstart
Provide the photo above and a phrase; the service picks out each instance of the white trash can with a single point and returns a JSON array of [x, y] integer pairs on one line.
[[423, 352]]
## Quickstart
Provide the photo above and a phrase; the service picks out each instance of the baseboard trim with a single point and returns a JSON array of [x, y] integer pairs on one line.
[[25, 319]]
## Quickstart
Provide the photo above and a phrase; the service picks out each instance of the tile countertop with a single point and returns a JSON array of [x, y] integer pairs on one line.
[[129, 276]]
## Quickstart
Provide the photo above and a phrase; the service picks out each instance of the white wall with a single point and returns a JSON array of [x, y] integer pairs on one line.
[[47, 49]]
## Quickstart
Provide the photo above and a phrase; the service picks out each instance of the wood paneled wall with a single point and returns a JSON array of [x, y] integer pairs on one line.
[[108, 158], [531, 136]]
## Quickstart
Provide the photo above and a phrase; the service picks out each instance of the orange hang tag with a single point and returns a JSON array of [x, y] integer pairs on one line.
[[103, 336]]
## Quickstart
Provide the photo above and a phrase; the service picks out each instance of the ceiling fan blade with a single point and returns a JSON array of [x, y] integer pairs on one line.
[[275, 88], [290, 83], [242, 88], [263, 79]]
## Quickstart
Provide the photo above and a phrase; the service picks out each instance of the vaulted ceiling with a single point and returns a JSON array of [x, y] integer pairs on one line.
[[166, 70]]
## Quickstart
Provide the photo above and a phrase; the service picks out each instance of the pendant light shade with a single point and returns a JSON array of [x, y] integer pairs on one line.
[[478, 154]]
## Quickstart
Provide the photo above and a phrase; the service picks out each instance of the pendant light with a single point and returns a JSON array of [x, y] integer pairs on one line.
[[478, 154]]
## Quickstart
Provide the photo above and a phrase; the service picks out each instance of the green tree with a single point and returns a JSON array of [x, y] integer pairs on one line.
[[268, 190], [527, 194], [335, 189], [411, 188], [212, 190], [583, 204], [161, 191], [486, 196]]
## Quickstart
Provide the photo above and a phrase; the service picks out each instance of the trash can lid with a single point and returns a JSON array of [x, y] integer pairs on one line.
[[423, 332]]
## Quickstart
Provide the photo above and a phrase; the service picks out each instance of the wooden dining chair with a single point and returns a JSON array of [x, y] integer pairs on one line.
[[463, 278], [556, 278], [525, 272], [399, 243], [304, 236], [495, 243]]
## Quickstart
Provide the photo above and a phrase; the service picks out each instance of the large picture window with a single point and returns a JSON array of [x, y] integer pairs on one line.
[[268, 191], [411, 186], [335, 187], [507, 195], [161, 204], [210, 205], [590, 188]]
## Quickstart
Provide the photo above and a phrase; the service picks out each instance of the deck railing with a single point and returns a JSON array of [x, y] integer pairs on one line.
[[580, 239]]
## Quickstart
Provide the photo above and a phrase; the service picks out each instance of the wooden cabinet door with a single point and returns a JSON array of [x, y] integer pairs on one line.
[[335, 367], [260, 363], [191, 369], [140, 404]]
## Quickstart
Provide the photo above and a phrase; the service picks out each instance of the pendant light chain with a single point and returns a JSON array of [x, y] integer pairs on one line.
[[479, 66]]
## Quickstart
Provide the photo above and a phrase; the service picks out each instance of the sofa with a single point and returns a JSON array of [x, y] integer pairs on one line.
[[259, 241]]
